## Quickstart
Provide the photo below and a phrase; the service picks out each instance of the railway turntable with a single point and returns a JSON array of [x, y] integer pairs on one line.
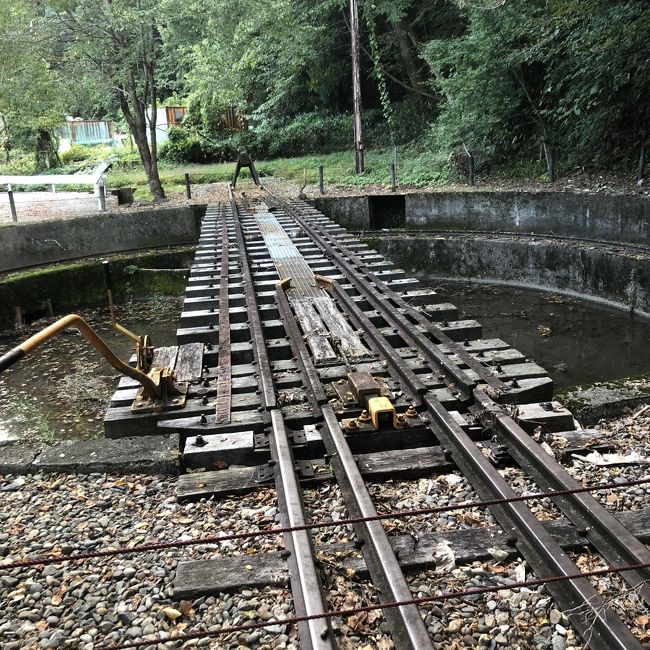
[[306, 358]]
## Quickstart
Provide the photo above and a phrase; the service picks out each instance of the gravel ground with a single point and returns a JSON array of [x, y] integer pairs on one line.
[[80, 605], [516, 619], [87, 604]]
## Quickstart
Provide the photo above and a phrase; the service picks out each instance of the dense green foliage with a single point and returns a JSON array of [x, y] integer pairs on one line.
[[503, 79], [573, 75]]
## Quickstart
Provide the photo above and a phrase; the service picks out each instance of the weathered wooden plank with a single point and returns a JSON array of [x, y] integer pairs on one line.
[[550, 416], [165, 357], [493, 357], [513, 371], [529, 390], [314, 330], [202, 577], [565, 443], [394, 464], [339, 328], [189, 363]]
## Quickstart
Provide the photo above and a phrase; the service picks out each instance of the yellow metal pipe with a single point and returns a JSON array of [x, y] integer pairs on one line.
[[73, 320]]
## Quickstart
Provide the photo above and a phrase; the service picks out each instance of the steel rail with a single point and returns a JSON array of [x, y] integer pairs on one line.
[[448, 595], [607, 534], [382, 303], [315, 633], [616, 544], [266, 532], [536, 545], [406, 625], [224, 369]]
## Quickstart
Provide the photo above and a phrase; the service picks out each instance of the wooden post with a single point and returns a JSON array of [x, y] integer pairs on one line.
[[321, 179], [12, 204], [393, 177], [188, 190], [471, 168], [641, 177], [356, 86]]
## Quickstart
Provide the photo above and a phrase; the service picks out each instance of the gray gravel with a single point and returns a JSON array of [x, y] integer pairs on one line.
[[83, 604]]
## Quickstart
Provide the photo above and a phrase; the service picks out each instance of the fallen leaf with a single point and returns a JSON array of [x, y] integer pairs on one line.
[[58, 596], [444, 557], [171, 613], [186, 607]]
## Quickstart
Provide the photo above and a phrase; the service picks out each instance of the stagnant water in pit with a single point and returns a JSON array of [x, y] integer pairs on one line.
[[61, 391], [577, 341]]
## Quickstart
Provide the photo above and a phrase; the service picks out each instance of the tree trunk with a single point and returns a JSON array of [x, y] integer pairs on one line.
[[406, 40], [135, 113]]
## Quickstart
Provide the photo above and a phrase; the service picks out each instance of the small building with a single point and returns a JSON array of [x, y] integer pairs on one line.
[[166, 117], [85, 132]]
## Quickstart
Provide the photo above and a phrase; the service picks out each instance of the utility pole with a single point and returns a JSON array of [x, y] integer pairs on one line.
[[356, 85]]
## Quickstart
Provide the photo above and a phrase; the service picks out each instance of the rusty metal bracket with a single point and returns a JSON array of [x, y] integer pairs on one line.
[[172, 395], [263, 474], [261, 441]]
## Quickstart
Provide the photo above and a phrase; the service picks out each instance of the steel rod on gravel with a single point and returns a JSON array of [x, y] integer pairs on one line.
[[616, 544], [587, 609]]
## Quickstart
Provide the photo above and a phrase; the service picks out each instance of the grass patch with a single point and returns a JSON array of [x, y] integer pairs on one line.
[[35, 421], [415, 168]]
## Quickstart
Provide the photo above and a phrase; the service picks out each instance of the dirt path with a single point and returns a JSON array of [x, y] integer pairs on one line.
[[41, 206]]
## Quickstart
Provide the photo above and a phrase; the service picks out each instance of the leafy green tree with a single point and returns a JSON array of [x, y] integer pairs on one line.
[[558, 73], [30, 103], [114, 44]]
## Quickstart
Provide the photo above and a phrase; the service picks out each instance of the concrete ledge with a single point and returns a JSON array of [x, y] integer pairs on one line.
[[17, 459], [142, 455], [593, 216], [41, 242], [616, 276], [602, 401]]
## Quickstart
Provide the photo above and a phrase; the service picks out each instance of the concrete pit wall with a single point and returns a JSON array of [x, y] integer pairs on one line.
[[73, 285], [33, 243], [621, 279], [594, 216]]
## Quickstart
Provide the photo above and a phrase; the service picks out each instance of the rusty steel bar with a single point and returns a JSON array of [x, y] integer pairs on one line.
[[315, 633], [406, 625], [224, 370], [546, 556]]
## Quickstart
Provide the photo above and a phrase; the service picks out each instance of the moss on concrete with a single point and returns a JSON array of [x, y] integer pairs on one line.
[[610, 399], [80, 284]]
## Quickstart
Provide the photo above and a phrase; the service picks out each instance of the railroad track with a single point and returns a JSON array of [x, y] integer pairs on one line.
[[310, 358]]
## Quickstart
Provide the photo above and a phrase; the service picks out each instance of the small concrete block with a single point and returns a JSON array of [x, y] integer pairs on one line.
[[551, 416], [17, 459], [234, 448], [141, 455]]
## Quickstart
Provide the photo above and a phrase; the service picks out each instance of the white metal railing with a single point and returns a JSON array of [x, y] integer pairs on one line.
[[97, 180]]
